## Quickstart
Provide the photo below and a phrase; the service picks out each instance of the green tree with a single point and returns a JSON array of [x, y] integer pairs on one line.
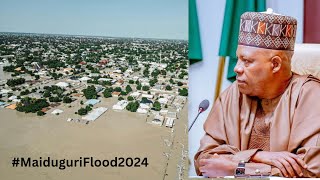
[[89, 107], [123, 93], [22, 93], [133, 106], [120, 98], [179, 83], [155, 73], [118, 89], [182, 74], [107, 93], [107, 83], [90, 92], [157, 106], [67, 99], [15, 82], [9, 68], [54, 99], [131, 81], [128, 88], [168, 88], [40, 113], [123, 69], [110, 89], [139, 87], [146, 72], [145, 88], [33, 105], [152, 82], [82, 111], [144, 99], [171, 81], [183, 92], [130, 98]]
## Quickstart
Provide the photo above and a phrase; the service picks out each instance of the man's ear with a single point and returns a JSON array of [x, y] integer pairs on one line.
[[276, 63]]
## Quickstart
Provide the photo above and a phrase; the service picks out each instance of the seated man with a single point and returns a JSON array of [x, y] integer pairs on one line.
[[269, 119]]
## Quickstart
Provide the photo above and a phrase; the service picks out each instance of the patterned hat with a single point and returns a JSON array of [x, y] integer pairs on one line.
[[267, 30]]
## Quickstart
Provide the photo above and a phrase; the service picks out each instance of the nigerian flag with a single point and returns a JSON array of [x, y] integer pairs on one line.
[[195, 53], [230, 29]]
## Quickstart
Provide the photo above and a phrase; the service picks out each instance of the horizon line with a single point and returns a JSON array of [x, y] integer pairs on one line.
[[92, 35]]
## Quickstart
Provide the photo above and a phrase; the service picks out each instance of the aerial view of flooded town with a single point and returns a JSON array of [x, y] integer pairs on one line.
[[65, 97]]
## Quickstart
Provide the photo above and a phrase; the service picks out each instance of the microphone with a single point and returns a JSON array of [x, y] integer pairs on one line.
[[203, 106]]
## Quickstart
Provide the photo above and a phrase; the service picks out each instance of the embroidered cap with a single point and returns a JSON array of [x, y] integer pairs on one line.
[[267, 30]]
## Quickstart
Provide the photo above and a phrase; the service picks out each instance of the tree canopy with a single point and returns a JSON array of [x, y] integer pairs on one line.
[[183, 92], [15, 82], [128, 88], [168, 88], [33, 105], [90, 92], [133, 106], [145, 88], [157, 106]]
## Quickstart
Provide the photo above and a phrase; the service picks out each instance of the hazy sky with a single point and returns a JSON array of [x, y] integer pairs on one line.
[[118, 18]]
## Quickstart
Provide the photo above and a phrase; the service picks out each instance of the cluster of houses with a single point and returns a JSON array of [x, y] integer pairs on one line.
[[111, 68]]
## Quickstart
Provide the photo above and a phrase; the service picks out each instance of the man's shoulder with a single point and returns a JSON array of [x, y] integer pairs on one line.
[[311, 84], [231, 92], [306, 81], [305, 77], [305, 86]]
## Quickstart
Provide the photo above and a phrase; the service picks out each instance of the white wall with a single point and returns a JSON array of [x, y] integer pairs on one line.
[[295, 9], [202, 75]]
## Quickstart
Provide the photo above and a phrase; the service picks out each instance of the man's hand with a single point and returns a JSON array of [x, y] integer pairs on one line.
[[217, 166], [288, 163]]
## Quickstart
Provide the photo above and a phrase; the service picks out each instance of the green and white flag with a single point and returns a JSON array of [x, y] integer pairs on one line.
[[230, 29], [195, 52]]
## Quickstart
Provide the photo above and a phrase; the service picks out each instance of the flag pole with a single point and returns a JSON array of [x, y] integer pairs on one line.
[[222, 60]]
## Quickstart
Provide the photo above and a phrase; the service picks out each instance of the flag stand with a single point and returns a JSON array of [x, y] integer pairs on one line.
[[222, 60]]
